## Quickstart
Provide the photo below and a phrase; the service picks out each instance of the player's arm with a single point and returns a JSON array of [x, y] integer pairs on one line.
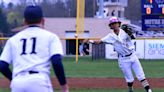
[[5, 70], [59, 71], [132, 36], [108, 39], [95, 41], [5, 60], [98, 42], [92, 41]]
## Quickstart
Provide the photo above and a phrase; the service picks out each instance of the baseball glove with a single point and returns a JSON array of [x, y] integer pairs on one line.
[[128, 30]]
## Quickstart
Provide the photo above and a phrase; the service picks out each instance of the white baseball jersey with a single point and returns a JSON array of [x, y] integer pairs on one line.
[[122, 42], [124, 46], [31, 49]]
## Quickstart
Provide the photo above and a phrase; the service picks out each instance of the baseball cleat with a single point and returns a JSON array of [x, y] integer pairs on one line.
[[149, 90], [130, 90]]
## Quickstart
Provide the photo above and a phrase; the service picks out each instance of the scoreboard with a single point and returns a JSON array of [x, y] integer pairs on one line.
[[152, 15], [152, 7]]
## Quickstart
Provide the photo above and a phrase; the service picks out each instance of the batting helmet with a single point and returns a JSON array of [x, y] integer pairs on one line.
[[113, 20]]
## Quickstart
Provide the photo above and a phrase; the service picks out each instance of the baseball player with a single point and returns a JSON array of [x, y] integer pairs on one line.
[[128, 61], [30, 52]]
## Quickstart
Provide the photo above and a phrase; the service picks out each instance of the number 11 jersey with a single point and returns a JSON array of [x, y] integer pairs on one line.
[[31, 49]]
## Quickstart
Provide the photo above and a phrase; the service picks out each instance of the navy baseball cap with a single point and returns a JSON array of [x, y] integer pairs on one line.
[[33, 13]]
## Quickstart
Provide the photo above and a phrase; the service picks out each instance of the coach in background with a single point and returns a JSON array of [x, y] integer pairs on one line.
[[30, 52], [128, 61]]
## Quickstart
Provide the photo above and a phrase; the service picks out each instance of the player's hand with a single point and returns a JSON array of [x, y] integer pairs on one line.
[[65, 88], [92, 41], [86, 41], [97, 41]]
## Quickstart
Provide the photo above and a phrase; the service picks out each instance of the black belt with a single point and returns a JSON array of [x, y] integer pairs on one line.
[[29, 72], [126, 55], [33, 72]]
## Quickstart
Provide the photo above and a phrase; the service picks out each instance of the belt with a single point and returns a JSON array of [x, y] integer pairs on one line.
[[33, 72], [126, 55], [28, 72]]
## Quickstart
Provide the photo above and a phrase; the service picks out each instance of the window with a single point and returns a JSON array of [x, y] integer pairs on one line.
[[71, 43]]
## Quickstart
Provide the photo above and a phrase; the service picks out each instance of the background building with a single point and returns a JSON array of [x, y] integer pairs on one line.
[[65, 28], [112, 7]]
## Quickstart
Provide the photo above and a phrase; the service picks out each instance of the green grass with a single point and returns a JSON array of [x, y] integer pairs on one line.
[[112, 90], [4, 90], [98, 90], [105, 68], [153, 68], [86, 67], [108, 68]]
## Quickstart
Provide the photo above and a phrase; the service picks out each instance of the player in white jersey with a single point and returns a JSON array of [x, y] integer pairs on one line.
[[30, 52], [127, 59]]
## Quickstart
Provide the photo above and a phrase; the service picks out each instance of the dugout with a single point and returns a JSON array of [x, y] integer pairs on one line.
[[71, 47]]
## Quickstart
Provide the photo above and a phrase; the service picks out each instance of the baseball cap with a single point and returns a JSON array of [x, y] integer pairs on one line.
[[33, 13], [113, 20]]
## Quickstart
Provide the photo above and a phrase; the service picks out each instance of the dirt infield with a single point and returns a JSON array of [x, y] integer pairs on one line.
[[77, 83]]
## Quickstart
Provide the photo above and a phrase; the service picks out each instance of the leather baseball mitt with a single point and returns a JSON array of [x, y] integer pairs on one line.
[[128, 30]]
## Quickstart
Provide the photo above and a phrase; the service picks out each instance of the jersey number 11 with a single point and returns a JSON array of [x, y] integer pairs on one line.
[[33, 39]]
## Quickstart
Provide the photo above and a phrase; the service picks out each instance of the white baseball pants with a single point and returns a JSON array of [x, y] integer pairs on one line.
[[31, 83], [132, 64]]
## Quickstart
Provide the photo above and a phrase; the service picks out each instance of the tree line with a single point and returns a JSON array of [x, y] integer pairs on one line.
[[11, 15]]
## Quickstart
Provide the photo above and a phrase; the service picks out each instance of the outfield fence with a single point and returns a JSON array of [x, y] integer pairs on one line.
[[146, 48]]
